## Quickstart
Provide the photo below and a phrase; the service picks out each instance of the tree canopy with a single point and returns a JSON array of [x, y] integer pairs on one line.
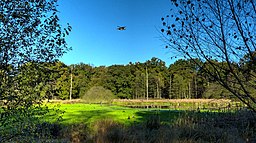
[[30, 38], [181, 80]]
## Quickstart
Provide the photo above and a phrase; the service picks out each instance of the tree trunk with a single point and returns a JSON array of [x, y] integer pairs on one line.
[[157, 90], [195, 88], [189, 92], [147, 82], [70, 92], [170, 89]]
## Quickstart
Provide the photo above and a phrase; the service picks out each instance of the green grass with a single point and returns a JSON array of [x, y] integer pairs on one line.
[[89, 113], [96, 123]]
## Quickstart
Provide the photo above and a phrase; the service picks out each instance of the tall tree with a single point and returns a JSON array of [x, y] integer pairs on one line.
[[99, 77], [119, 80], [82, 77], [30, 34], [138, 83], [63, 82], [156, 71], [222, 30], [49, 89], [183, 77]]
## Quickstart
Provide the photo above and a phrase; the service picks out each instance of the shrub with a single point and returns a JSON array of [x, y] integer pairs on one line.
[[98, 94]]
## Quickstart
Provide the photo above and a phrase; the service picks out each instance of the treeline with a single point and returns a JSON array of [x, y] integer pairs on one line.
[[152, 79]]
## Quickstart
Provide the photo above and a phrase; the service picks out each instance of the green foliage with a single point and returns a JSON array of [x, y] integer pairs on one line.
[[138, 83], [63, 83], [181, 80], [82, 77], [98, 94], [119, 80], [23, 124], [31, 39], [215, 90], [156, 72]]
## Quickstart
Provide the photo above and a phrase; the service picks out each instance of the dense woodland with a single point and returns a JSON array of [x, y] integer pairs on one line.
[[180, 80]]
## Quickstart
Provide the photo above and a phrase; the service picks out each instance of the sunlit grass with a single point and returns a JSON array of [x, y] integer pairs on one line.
[[89, 113]]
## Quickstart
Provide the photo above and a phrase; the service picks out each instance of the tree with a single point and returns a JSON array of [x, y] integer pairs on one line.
[[82, 77], [119, 80], [216, 91], [63, 82], [156, 70], [99, 76], [30, 34], [183, 78], [216, 30], [139, 80]]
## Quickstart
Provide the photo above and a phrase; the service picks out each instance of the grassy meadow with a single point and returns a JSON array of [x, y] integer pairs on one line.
[[128, 112], [118, 123], [89, 113]]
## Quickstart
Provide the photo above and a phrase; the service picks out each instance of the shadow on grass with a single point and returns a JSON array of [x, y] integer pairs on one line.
[[95, 123], [123, 115], [90, 113]]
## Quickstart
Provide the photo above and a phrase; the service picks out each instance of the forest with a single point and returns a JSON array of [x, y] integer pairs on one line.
[[180, 80]]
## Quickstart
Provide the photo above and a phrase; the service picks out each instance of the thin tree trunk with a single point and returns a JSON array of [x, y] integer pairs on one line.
[[195, 87], [147, 82], [70, 92], [189, 93], [157, 90], [170, 89]]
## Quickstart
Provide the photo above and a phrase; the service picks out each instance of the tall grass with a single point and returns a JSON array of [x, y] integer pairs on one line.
[[95, 123], [181, 104], [188, 126]]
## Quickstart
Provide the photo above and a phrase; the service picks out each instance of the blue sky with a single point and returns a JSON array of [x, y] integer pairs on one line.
[[95, 39]]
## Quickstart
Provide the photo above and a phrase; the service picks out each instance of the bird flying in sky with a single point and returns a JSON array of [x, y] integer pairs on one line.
[[120, 28]]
